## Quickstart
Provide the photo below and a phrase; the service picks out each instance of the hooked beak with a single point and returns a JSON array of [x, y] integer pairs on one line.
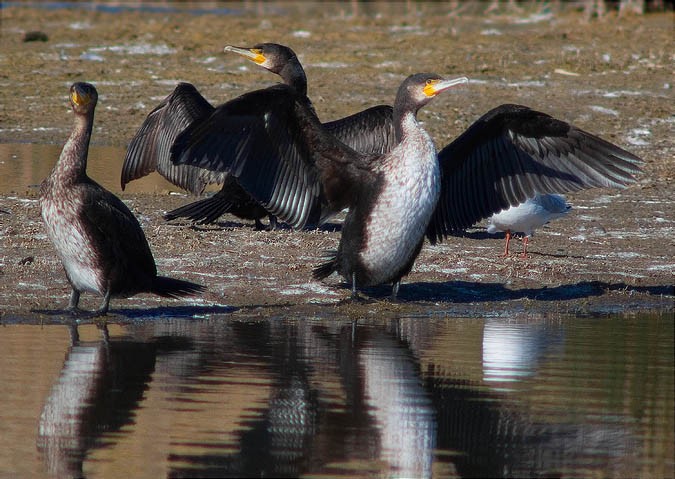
[[253, 54], [437, 86]]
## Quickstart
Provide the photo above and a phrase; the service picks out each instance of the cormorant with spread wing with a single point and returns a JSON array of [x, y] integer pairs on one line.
[[508, 155], [368, 131]]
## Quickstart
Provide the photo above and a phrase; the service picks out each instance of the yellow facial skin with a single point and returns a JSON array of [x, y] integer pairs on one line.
[[254, 54], [430, 88], [435, 86], [258, 57], [79, 99]]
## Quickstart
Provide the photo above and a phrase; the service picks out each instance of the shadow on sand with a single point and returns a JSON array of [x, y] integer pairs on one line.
[[472, 292]]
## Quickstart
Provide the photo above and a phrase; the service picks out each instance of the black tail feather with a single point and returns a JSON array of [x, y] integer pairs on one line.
[[326, 269], [204, 211], [175, 288]]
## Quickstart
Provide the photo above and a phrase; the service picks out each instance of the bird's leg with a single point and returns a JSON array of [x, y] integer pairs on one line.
[[508, 239], [273, 223], [524, 253], [355, 293], [74, 301], [258, 225], [105, 305]]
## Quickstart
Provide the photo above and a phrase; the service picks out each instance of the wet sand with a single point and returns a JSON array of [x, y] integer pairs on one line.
[[613, 253]]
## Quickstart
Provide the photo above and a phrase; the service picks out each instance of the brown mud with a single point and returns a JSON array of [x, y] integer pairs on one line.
[[613, 253]]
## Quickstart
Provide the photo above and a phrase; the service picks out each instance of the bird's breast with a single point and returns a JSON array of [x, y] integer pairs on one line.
[[61, 215], [401, 211]]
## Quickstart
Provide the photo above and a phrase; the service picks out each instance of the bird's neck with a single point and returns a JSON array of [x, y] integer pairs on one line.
[[72, 164], [405, 123], [295, 77]]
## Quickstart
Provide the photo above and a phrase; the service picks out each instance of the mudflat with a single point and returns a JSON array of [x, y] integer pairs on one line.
[[613, 77]]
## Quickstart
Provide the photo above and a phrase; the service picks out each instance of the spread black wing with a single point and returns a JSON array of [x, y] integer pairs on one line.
[[370, 131], [513, 152], [149, 149], [272, 142]]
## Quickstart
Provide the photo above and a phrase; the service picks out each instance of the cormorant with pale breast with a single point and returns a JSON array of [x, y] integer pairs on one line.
[[98, 239], [368, 131], [394, 200]]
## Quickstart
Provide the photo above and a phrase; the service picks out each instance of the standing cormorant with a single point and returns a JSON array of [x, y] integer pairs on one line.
[[368, 131], [390, 197], [524, 218], [149, 148], [98, 239], [508, 155]]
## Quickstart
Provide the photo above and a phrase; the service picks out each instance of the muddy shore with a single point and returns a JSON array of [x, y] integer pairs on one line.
[[613, 253]]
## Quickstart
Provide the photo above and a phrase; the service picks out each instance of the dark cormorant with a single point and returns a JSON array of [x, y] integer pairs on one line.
[[149, 148], [98, 239], [508, 155], [368, 131]]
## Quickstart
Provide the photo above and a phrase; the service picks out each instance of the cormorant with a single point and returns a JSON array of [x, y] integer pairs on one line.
[[98, 239], [506, 156], [368, 131], [527, 216]]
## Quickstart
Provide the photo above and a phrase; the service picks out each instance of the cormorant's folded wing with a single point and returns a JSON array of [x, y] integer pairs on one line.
[[116, 230]]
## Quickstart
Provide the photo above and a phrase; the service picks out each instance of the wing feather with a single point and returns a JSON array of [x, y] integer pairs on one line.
[[370, 131], [513, 152], [120, 240], [149, 149], [272, 142]]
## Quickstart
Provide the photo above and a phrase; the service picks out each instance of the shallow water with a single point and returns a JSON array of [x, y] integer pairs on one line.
[[23, 166], [398, 397], [197, 8], [288, 396]]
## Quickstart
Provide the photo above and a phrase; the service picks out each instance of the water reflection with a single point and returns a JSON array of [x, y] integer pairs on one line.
[[23, 166], [283, 397], [100, 384], [401, 408], [511, 352]]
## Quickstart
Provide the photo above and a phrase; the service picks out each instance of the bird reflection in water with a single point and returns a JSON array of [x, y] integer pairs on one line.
[[400, 406], [512, 352], [100, 385], [285, 398]]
